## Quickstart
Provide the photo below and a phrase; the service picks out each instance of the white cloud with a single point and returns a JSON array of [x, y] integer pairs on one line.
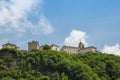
[[14, 17], [16, 22], [115, 49], [75, 37], [43, 26], [15, 10]]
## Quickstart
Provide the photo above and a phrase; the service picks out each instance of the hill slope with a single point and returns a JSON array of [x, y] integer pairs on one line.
[[53, 65]]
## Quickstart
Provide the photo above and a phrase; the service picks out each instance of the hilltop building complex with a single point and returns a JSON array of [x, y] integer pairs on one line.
[[79, 49], [34, 45]]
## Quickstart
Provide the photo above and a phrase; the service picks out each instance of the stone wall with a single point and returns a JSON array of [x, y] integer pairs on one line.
[[87, 50], [33, 46]]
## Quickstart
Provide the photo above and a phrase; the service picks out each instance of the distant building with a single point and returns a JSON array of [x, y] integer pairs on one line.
[[70, 49], [54, 47], [79, 49], [34, 45], [41, 47], [9, 45], [90, 49]]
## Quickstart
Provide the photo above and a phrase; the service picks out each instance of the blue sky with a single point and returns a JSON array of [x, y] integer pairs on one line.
[[54, 21], [99, 19]]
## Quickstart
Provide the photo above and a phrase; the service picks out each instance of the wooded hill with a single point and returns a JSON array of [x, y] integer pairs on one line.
[[53, 65]]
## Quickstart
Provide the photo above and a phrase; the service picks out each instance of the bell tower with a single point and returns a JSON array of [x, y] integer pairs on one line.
[[81, 45]]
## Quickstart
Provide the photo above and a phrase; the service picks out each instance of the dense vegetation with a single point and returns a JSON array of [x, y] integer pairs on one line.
[[53, 65]]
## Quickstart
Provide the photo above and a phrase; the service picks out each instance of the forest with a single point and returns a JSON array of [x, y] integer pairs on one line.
[[56, 65]]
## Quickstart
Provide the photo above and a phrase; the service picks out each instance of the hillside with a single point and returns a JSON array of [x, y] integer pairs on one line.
[[53, 65]]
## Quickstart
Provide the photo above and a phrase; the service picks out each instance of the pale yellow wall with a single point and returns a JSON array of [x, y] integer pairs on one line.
[[85, 50], [74, 50], [69, 50], [54, 48], [10, 46]]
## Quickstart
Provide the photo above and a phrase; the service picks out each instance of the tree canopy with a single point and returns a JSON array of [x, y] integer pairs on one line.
[[54, 65]]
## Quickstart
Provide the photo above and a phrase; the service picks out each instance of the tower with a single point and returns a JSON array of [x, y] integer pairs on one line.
[[34, 45], [81, 45]]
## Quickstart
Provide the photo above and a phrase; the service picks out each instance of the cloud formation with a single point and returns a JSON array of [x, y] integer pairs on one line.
[[75, 37], [14, 12], [15, 20], [115, 49], [43, 26], [14, 16]]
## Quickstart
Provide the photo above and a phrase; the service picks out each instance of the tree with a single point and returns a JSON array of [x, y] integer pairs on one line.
[[113, 69], [46, 47], [7, 78], [44, 78], [64, 77], [55, 76]]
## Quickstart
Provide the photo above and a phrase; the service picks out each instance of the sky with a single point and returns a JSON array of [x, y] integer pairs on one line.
[[62, 22]]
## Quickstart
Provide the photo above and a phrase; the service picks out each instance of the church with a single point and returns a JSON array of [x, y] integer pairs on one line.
[[80, 49]]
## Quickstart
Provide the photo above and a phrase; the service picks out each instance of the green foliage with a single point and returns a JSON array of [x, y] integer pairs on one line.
[[46, 47], [53, 65]]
